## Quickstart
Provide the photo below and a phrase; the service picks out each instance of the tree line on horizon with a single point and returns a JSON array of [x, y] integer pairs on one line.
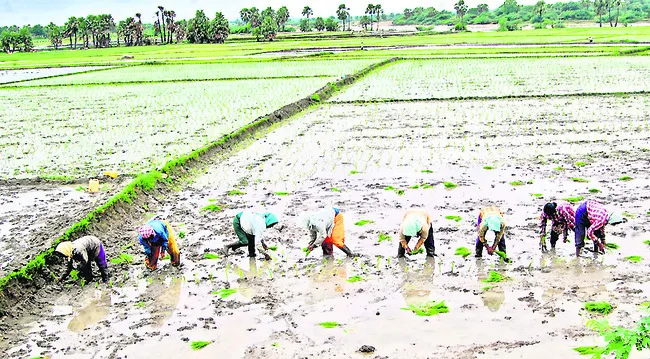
[[97, 30]]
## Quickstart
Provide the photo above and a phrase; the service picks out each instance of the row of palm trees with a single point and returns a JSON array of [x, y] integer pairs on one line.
[[97, 28], [343, 14]]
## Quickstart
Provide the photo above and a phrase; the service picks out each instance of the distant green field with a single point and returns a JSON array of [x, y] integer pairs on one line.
[[238, 49]]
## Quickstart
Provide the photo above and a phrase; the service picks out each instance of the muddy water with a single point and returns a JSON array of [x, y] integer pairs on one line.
[[30, 74], [33, 216], [279, 304]]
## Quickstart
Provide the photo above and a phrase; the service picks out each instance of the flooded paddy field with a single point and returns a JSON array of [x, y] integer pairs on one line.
[[374, 161]]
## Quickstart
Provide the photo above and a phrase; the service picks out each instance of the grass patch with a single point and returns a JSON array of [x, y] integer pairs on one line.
[[454, 218], [211, 208], [579, 180], [634, 259], [625, 178], [599, 307], [210, 256], [334, 189], [495, 277], [516, 183], [281, 193], [428, 309], [364, 222], [594, 190], [123, 258], [574, 199], [488, 167], [329, 325], [355, 279], [198, 345], [450, 185], [581, 164], [463, 252], [427, 171], [225, 293], [384, 237], [235, 192]]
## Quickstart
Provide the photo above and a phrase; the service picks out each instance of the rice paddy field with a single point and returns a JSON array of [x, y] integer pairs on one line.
[[373, 133]]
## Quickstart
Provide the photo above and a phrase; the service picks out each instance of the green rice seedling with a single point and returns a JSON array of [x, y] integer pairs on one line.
[[426, 186], [495, 277], [315, 97], [307, 251], [334, 189], [329, 325], [488, 167], [629, 215], [574, 199], [275, 344], [516, 183], [428, 309], [487, 287], [647, 241], [501, 254], [212, 200], [537, 195], [415, 186], [389, 188], [579, 180], [530, 181], [559, 168], [463, 252], [634, 259], [581, 164], [590, 350], [281, 193], [454, 218], [355, 279], [354, 172], [384, 237], [364, 222], [400, 192], [166, 257], [612, 245], [645, 305], [198, 345], [210, 256], [212, 208], [74, 275], [594, 190], [83, 282], [418, 251], [225, 293], [80, 189], [599, 307], [181, 234], [450, 185], [127, 246], [140, 304], [427, 171], [123, 258], [625, 178], [235, 192], [273, 248]]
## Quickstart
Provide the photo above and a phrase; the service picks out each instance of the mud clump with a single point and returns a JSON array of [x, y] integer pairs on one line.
[[367, 349]]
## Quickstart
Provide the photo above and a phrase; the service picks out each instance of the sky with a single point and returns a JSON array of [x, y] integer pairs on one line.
[[23, 12]]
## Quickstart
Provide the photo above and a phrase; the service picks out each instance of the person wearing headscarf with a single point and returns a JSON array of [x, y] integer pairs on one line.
[[326, 230], [249, 227], [590, 222], [562, 217], [80, 254], [416, 223], [158, 237], [490, 219]]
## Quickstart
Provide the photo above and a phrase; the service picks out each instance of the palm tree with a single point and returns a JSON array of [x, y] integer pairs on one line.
[[539, 8], [245, 15], [378, 12], [461, 9], [307, 12], [370, 10], [138, 29], [169, 19], [71, 29], [342, 14], [162, 25]]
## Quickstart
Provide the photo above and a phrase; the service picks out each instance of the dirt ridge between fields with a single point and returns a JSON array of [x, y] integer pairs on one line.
[[19, 288]]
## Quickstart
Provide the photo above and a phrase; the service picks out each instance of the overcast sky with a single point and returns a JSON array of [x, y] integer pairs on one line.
[[21, 12]]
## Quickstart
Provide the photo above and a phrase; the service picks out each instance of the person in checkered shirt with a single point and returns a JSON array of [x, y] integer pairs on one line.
[[590, 221], [562, 217]]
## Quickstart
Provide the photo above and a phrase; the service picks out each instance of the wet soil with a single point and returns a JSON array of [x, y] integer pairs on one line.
[[279, 304], [9, 76]]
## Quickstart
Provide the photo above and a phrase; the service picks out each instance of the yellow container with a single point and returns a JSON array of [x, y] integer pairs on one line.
[[111, 174], [93, 185]]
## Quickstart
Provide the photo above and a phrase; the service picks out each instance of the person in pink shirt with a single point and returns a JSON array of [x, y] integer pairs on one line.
[[562, 217], [590, 221]]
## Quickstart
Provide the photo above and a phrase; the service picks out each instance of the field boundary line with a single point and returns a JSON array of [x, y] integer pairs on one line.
[[11, 285], [488, 98], [4, 84]]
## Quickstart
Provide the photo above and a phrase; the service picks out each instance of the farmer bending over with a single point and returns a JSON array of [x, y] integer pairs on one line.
[[327, 230], [562, 218], [157, 237], [490, 219], [416, 223], [249, 226], [590, 220], [80, 253]]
